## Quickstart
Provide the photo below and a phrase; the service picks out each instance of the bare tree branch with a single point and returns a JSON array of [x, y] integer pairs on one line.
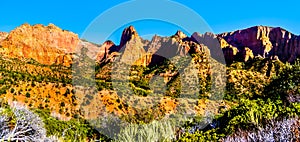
[[28, 127]]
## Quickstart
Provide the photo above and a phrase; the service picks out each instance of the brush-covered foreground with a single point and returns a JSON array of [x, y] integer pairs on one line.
[[261, 103]]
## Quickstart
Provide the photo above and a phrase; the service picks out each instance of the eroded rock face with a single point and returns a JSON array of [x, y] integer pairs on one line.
[[45, 44], [131, 49], [264, 41], [128, 34], [168, 47], [243, 45], [177, 45], [104, 54], [135, 50], [51, 45], [213, 42], [104, 50]]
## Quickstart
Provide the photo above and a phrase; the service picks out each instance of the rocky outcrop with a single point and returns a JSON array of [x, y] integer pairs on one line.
[[264, 41], [128, 34], [135, 50], [243, 45], [3, 35], [45, 44], [168, 47], [104, 54], [131, 47], [178, 45], [180, 34]]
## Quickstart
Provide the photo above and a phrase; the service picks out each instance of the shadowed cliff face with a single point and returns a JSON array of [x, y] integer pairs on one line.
[[128, 34], [104, 53]]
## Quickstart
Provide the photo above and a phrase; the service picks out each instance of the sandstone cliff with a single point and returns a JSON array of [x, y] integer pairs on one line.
[[133, 48], [52, 45], [242, 45], [45, 44], [264, 41], [104, 52]]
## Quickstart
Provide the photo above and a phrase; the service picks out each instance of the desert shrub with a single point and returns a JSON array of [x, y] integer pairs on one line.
[[244, 84], [248, 80], [3, 90], [62, 104], [72, 130], [27, 94], [144, 115], [252, 113], [210, 135], [67, 92], [151, 132], [12, 90], [286, 86], [248, 115]]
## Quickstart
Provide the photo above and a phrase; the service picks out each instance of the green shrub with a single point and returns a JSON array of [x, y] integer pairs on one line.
[[286, 86], [152, 132], [72, 130], [27, 94]]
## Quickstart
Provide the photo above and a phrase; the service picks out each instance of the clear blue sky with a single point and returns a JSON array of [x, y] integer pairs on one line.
[[221, 15]]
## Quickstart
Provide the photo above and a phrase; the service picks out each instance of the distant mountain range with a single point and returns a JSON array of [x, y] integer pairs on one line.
[[52, 45]]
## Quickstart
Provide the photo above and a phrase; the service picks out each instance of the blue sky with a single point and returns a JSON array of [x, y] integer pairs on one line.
[[221, 16]]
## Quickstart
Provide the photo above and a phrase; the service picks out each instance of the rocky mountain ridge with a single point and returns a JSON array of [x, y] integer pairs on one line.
[[52, 45], [276, 43], [242, 45], [135, 50], [46, 44], [268, 42]]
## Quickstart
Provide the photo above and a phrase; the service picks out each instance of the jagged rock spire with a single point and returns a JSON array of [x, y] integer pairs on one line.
[[128, 34]]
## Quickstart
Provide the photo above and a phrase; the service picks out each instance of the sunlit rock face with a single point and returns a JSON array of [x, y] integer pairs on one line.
[[3, 35], [45, 44], [51, 45], [264, 41]]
